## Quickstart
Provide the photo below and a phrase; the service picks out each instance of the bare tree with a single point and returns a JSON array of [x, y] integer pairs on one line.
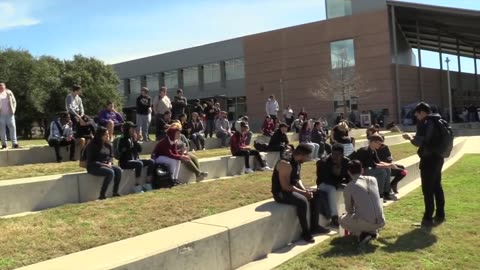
[[342, 80]]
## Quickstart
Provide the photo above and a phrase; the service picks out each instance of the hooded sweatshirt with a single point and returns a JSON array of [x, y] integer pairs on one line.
[[428, 136]]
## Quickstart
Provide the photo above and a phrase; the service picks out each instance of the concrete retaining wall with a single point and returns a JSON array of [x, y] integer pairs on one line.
[[224, 241]]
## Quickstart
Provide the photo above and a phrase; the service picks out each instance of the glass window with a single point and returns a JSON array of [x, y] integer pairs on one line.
[[342, 53], [171, 79], [190, 76], [235, 69], [338, 8], [211, 73], [135, 85], [121, 87], [153, 82]]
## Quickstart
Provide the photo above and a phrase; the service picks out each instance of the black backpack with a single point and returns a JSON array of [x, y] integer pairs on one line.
[[162, 177], [260, 146], [445, 141]]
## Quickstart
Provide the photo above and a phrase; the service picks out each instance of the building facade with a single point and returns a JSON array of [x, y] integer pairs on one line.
[[371, 40]]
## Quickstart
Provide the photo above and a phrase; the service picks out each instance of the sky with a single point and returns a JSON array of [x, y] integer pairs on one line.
[[120, 30]]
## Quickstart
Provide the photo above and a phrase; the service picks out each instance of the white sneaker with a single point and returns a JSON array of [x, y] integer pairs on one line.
[[138, 189], [266, 168], [247, 171], [147, 187]]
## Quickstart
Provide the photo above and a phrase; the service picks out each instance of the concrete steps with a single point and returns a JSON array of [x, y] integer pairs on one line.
[[224, 241]]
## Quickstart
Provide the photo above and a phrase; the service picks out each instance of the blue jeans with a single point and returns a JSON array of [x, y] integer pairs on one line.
[[210, 128], [8, 121], [114, 173], [143, 125], [138, 165], [383, 179], [332, 197], [224, 136]]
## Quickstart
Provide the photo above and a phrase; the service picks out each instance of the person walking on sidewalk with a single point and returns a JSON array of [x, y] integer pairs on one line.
[[8, 106], [435, 141]]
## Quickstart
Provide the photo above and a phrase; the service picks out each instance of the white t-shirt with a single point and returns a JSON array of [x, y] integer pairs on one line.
[[4, 104]]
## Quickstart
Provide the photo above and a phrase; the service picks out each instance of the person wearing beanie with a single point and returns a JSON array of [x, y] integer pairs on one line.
[[129, 149]]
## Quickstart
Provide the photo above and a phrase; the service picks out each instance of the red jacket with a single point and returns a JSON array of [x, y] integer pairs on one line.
[[268, 127], [237, 142], [164, 148]]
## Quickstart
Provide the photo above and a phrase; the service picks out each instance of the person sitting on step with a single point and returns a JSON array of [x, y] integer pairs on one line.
[[238, 147], [129, 149], [320, 137], [268, 127], [110, 119], [398, 173], [197, 130], [279, 141], [287, 188], [332, 173], [305, 137], [222, 128], [59, 137], [100, 162]]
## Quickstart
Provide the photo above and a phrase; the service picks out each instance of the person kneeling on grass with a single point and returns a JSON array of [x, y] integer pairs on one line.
[[129, 149], [287, 188], [166, 152], [100, 162], [364, 207], [239, 148]]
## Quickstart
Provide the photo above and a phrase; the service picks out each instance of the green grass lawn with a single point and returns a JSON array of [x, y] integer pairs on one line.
[[453, 245], [399, 151], [72, 228]]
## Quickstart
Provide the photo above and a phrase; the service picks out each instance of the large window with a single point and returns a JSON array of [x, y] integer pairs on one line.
[[121, 87], [235, 69], [342, 53], [190, 76], [153, 82], [211, 73], [171, 79], [338, 8], [135, 85]]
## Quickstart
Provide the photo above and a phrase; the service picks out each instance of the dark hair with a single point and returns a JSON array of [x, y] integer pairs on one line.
[[375, 138], [304, 125], [163, 88], [167, 112], [109, 102], [303, 149], [179, 91], [99, 133], [282, 125], [317, 123], [76, 87], [423, 107], [354, 167], [144, 89], [338, 148], [182, 115]]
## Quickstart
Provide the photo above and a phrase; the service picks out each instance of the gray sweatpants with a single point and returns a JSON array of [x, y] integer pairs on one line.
[[143, 125]]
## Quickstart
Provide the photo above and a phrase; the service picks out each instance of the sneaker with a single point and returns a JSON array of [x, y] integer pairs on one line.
[[59, 160], [307, 237], [394, 187], [388, 197], [266, 168], [426, 223], [147, 187], [364, 238], [15, 146], [439, 220], [116, 194], [138, 189], [320, 230], [73, 159], [101, 198], [247, 171], [4, 147]]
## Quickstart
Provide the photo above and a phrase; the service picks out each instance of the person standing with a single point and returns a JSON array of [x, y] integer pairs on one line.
[[161, 104], [363, 205], [144, 114], [179, 104], [289, 116], [74, 105], [210, 114], [272, 107], [431, 152], [8, 106]]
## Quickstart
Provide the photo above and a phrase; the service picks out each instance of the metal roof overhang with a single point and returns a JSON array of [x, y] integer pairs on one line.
[[440, 29]]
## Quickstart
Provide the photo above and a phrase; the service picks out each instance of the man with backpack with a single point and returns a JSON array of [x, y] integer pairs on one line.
[[58, 135], [434, 137]]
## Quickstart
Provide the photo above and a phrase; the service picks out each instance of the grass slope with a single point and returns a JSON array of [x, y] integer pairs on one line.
[[453, 245]]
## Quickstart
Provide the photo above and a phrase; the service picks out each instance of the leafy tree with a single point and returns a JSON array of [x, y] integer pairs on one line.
[[41, 84]]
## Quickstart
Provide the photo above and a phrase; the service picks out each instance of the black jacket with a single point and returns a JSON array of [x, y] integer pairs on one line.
[[129, 150], [99, 154], [384, 154], [179, 104], [278, 138], [325, 174], [144, 103], [428, 137]]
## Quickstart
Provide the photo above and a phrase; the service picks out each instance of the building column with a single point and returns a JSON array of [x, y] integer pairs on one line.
[[397, 71], [143, 81], [440, 57], [223, 74], [201, 81], [180, 78], [420, 71], [476, 68], [161, 80], [459, 75]]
